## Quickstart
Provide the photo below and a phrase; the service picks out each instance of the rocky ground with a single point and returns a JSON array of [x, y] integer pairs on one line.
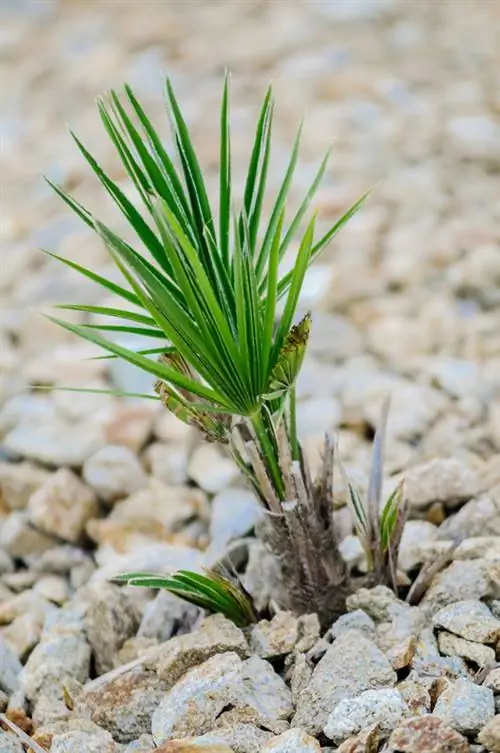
[[405, 301]]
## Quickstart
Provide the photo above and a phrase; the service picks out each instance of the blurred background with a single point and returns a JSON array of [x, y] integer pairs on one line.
[[405, 299]]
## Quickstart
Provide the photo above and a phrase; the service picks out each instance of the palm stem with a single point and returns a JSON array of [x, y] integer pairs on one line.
[[269, 451], [292, 424]]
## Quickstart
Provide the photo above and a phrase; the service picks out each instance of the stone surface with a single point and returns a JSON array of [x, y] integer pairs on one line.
[[191, 707], [110, 618], [81, 741], [384, 708], [210, 469], [490, 735], [62, 505], [452, 645], [20, 539], [166, 614], [18, 481], [405, 301], [429, 734], [60, 656], [242, 738], [194, 746], [441, 480], [292, 740], [56, 444], [114, 472], [465, 706], [275, 638], [23, 633], [462, 581], [234, 513], [216, 635], [469, 619], [123, 705], [10, 668], [479, 517], [10, 744], [351, 665]]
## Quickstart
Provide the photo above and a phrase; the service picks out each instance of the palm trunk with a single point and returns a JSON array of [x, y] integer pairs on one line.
[[298, 528]]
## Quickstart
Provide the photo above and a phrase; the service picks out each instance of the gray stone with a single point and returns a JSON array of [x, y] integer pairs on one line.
[[55, 443], [145, 744], [416, 533], [352, 665], [20, 539], [447, 481], [9, 743], [166, 615], [23, 634], [81, 741], [292, 741], [60, 656], [234, 513], [10, 668], [356, 620], [158, 558], [6, 562], [384, 707], [216, 635], [210, 469], [191, 707], [114, 472], [362, 10], [111, 618], [275, 638], [18, 481], [452, 645], [469, 619], [415, 693], [456, 376], [465, 706], [479, 517], [261, 578], [493, 680], [428, 663], [27, 602], [53, 588], [62, 505], [123, 704], [167, 462], [241, 738], [476, 137], [490, 735], [462, 581]]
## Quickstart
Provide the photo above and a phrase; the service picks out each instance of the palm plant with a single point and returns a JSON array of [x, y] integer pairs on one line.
[[205, 287]]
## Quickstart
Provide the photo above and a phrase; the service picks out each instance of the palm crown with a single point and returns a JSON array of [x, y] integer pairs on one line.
[[207, 288]]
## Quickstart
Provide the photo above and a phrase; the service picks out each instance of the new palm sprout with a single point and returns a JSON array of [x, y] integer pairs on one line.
[[204, 283]]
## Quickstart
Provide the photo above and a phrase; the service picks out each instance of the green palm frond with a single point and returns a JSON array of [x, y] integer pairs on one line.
[[213, 592], [205, 282]]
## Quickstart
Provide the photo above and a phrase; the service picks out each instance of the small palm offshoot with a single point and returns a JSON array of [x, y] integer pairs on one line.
[[204, 285], [379, 526]]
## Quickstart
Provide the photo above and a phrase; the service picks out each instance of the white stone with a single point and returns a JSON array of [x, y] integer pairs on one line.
[[211, 470], [384, 707], [114, 472]]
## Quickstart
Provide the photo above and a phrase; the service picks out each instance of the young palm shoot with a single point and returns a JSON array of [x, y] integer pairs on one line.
[[379, 526], [204, 286]]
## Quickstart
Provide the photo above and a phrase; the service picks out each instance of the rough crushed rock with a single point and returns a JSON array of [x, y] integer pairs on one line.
[[406, 301]]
